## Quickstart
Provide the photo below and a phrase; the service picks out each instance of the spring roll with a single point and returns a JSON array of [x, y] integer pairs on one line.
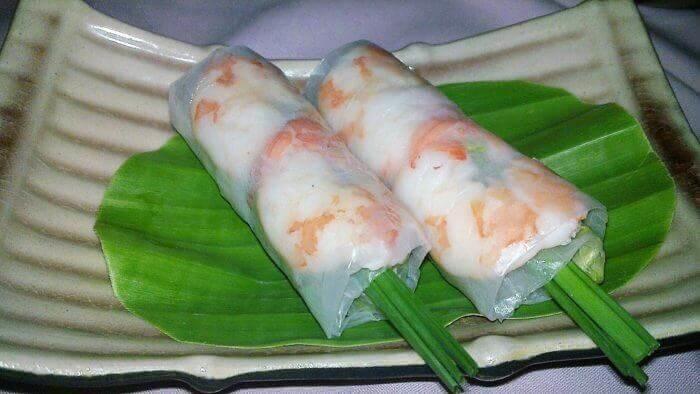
[[500, 224], [325, 220]]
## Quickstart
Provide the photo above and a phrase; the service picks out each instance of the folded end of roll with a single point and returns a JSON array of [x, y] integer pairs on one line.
[[352, 307], [318, 75]]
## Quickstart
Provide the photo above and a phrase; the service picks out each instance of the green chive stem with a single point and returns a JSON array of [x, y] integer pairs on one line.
[[434, 355], [620, 359], [393, 285], [599, 311], [649, 340]]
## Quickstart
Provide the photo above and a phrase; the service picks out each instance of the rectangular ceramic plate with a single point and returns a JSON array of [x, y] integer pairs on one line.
[[80, 93]]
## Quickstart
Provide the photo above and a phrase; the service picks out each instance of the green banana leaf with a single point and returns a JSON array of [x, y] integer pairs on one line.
[[180, 258]]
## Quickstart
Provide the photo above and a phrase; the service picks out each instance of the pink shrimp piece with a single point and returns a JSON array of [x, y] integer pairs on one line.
[[503, 220], [309, 230], [275, 149], [546, 189], [354, 129], [332, 95], [361, 62], [297, 132], [383, 218], [205, 107], [440, 135], [225, 68], [438, 224], [309, 133]]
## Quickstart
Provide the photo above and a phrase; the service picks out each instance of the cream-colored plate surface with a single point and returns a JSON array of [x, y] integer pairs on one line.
[[80, 93]]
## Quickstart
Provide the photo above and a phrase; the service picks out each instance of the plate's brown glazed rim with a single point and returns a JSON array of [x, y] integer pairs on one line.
[[488, 376]]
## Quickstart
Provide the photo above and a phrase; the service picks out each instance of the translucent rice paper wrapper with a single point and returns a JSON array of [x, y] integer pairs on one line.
[[500, 296], [325, 220], [497, 232]]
